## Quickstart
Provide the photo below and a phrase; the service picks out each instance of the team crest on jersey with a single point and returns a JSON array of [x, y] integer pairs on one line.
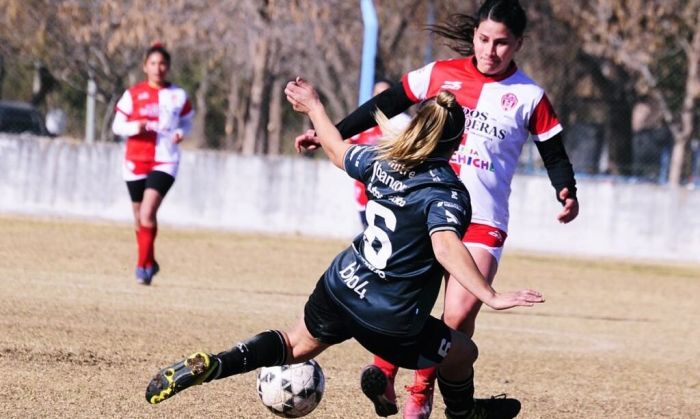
[[451, 85], [142, 96], [508, 101]]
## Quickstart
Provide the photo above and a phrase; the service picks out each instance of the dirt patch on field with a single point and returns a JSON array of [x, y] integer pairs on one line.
[[79, 338]]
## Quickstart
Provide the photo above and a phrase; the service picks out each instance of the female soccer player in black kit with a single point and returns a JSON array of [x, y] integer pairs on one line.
[[381, 289]]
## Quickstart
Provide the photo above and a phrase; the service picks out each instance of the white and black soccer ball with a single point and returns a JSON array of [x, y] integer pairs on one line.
[[291, 391]]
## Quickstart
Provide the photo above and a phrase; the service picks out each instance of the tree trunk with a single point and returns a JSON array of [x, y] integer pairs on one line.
[[106, 126], [2, 74], [240, 124], [619, 136], [681, 136], [256, 97], [677, 158], [199, 123], [274, 124], [618, 124], [230, 126]]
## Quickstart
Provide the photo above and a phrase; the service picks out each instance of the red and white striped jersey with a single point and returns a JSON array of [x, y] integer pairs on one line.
[[167, 110], [500, 114]]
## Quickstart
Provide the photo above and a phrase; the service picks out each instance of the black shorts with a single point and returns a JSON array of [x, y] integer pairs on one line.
[[160, 181], [329, 323]]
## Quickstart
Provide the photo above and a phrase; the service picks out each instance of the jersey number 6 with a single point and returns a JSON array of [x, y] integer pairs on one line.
[[378, 257]]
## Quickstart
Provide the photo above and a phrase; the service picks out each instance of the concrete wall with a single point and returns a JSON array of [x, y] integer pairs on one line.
[[216, 190], [639, 221], [293, 195]]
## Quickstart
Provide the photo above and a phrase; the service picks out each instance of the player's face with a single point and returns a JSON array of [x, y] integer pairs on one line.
[[494, 47], [156, 68]]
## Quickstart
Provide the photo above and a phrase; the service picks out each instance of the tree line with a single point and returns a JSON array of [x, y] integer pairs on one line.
[[598, 60]]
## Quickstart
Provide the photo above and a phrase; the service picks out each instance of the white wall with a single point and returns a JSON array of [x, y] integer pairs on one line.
[[638, 221], [297, 195], [216, 190]]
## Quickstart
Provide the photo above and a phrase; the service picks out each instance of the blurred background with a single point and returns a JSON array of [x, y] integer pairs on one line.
[[623, 75]]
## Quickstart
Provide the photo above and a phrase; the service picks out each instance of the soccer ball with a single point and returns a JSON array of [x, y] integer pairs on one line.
[[291, 391]]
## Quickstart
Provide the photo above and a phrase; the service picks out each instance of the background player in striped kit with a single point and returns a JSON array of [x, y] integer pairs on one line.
[[380, 290], [154, 115], [503, 108]]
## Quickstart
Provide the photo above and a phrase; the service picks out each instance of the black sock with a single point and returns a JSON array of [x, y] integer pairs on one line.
[[458, 396], [262, 350]]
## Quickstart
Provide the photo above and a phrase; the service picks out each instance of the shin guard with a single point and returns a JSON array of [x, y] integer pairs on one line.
[[265, 349]]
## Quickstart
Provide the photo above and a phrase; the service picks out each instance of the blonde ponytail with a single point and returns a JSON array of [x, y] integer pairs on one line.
[[417, 142]]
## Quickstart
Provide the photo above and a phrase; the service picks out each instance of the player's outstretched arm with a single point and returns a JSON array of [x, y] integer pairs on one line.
[[456, 259], [303, 97], [390, 102]]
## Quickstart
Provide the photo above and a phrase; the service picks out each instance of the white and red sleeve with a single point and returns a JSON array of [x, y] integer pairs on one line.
[[184, 126], [121, 125], [544, 123], [417, 82]]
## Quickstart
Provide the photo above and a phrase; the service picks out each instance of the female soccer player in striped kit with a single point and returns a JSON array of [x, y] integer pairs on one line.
[[154, 115], [503, 108]]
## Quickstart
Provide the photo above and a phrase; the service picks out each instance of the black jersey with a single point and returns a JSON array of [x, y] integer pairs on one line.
[[389, 279]]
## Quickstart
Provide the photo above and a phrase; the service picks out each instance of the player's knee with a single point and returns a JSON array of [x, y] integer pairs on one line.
[[302, 346], [460, 320], [147, 217]]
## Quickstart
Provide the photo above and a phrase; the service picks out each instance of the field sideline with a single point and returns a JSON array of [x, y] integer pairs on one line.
[[79, 338]]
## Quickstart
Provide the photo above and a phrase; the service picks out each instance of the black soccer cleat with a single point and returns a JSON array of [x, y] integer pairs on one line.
[[375, 385], [193, 370], [496, 407]]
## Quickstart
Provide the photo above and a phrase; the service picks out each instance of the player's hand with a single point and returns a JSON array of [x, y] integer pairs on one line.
[[142, 125], [177, 137], [570, 210], [522, 298], [302, 95], [307, 141]]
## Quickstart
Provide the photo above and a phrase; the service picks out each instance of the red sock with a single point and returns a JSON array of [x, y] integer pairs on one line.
[[387, 367], [425, 378], [152, 248], [146, 236]]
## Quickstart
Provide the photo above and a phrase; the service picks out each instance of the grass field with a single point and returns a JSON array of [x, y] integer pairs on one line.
[[80, 339]]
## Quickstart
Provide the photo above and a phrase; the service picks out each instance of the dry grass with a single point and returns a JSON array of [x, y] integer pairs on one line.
[[79, 338]]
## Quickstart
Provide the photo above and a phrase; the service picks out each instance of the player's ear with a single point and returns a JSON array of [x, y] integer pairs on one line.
[[519, 44]]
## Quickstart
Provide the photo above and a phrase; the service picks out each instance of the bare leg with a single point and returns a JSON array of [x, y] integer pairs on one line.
[[302, 346], [149, 208], [136, 209], [461, 307]]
